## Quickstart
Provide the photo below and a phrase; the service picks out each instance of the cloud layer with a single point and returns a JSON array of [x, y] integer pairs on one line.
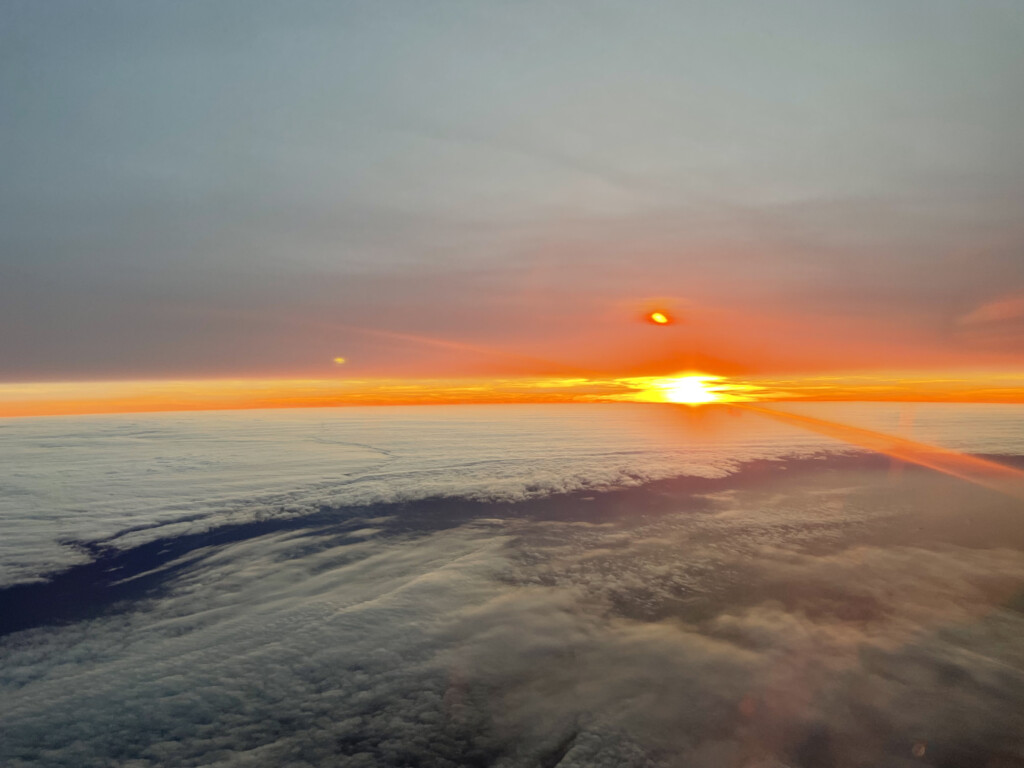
[[830, 617]]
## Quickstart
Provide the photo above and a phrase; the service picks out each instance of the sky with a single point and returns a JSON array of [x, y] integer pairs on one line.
[[447, 190]]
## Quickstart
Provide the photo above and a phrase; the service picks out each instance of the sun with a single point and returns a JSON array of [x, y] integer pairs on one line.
[[659, 318], [686, 388], [690, 390]]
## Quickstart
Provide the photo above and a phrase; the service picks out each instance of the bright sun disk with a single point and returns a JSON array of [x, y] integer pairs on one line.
[[690, 390]]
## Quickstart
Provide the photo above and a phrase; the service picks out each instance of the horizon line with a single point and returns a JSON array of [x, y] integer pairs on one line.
[[66, 398]]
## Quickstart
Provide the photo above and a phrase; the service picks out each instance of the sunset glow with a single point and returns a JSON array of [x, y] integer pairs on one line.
[[691, 390], [517, 224], [722, 309], [687, 387]]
